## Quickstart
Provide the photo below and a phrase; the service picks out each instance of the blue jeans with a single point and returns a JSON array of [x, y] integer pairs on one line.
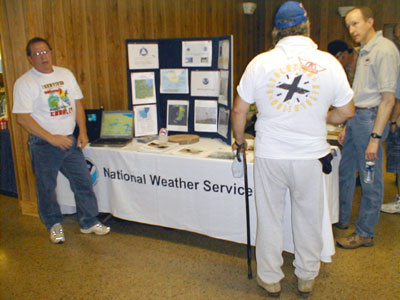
[[47, 160], [358, 131], [393, 152]]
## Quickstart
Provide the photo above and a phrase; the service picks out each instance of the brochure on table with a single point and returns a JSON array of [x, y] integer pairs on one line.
[[181, 84]]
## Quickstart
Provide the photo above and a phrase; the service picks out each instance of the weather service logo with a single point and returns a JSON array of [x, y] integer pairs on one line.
[[143, 51], [94, 173]]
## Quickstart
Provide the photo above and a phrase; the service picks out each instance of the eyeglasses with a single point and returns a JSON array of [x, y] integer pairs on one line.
[[43, 52]]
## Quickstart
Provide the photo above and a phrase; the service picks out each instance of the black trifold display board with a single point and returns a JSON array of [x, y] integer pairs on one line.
[[206, 115]]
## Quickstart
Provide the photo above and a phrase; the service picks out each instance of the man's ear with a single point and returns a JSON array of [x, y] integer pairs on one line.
[[370, 21]]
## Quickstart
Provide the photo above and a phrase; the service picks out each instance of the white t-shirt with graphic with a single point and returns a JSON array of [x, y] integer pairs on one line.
[[49, 98], [293, 86]]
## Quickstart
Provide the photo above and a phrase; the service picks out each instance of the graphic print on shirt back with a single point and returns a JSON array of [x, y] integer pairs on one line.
[[58, 101], [294, 87]]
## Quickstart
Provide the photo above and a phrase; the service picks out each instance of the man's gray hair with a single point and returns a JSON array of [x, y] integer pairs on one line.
[[301, 29]]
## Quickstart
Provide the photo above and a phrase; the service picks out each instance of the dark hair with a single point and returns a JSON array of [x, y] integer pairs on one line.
[[337, 46], [366, 12], [33, 41]]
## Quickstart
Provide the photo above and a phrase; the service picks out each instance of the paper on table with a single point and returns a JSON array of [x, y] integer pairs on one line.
[[158, 146]]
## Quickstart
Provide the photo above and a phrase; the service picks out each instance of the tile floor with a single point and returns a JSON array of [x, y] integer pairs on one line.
[[143, 262]]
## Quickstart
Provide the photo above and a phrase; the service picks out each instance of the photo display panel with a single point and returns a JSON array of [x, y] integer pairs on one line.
[[188, 82]]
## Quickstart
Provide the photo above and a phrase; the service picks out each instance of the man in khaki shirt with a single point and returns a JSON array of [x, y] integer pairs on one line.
[[374, 86]]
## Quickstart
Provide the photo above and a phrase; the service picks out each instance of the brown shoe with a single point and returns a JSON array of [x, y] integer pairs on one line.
[[273, 289], [341, 226], [354, 241]]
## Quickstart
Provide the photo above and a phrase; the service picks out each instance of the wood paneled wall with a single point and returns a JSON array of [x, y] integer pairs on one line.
[[88, 37]]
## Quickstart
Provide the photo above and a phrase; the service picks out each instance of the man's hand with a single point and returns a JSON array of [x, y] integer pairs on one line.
[[371, 153], [342, 136], [61, 141], [393, 127], [241, 146], [82, 140]]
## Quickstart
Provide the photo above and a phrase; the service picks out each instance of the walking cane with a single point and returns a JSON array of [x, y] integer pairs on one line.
[[246, 185]]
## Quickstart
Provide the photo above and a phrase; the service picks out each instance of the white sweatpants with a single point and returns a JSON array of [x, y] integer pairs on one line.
[[304, 179]]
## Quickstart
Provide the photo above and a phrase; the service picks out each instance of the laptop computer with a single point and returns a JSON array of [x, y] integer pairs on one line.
[[116, 129], [93, 124]]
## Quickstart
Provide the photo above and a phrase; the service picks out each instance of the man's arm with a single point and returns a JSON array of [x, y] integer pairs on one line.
[[340, 114], [83, 139], [30, 125], [395, 115], [238, 119], [382, 117]]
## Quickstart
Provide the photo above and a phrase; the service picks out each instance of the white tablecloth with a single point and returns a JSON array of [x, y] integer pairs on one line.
[[185, 191]]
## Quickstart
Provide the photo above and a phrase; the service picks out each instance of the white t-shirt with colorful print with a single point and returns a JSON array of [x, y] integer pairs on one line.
[[293, 86], [49, 98]]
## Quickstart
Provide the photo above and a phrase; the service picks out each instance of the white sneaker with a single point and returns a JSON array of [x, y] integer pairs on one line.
[[392, 207], [273, 289], [305, 287], [57, 234], [99, 229]]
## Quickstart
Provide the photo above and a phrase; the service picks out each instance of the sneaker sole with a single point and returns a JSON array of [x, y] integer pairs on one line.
[[273, 295], [304, 294], [390, 212], [85, 231], [57, 242]]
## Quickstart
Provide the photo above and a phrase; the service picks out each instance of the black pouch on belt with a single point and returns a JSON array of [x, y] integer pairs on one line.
[[326, 163]]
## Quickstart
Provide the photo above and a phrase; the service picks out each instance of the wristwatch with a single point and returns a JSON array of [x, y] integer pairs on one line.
[[239, 145], [375, 135]]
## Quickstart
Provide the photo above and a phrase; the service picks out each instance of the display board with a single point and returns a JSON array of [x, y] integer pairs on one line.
[[183, 85]]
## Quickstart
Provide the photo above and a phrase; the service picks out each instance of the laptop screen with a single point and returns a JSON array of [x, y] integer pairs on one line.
[[117, 124]]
